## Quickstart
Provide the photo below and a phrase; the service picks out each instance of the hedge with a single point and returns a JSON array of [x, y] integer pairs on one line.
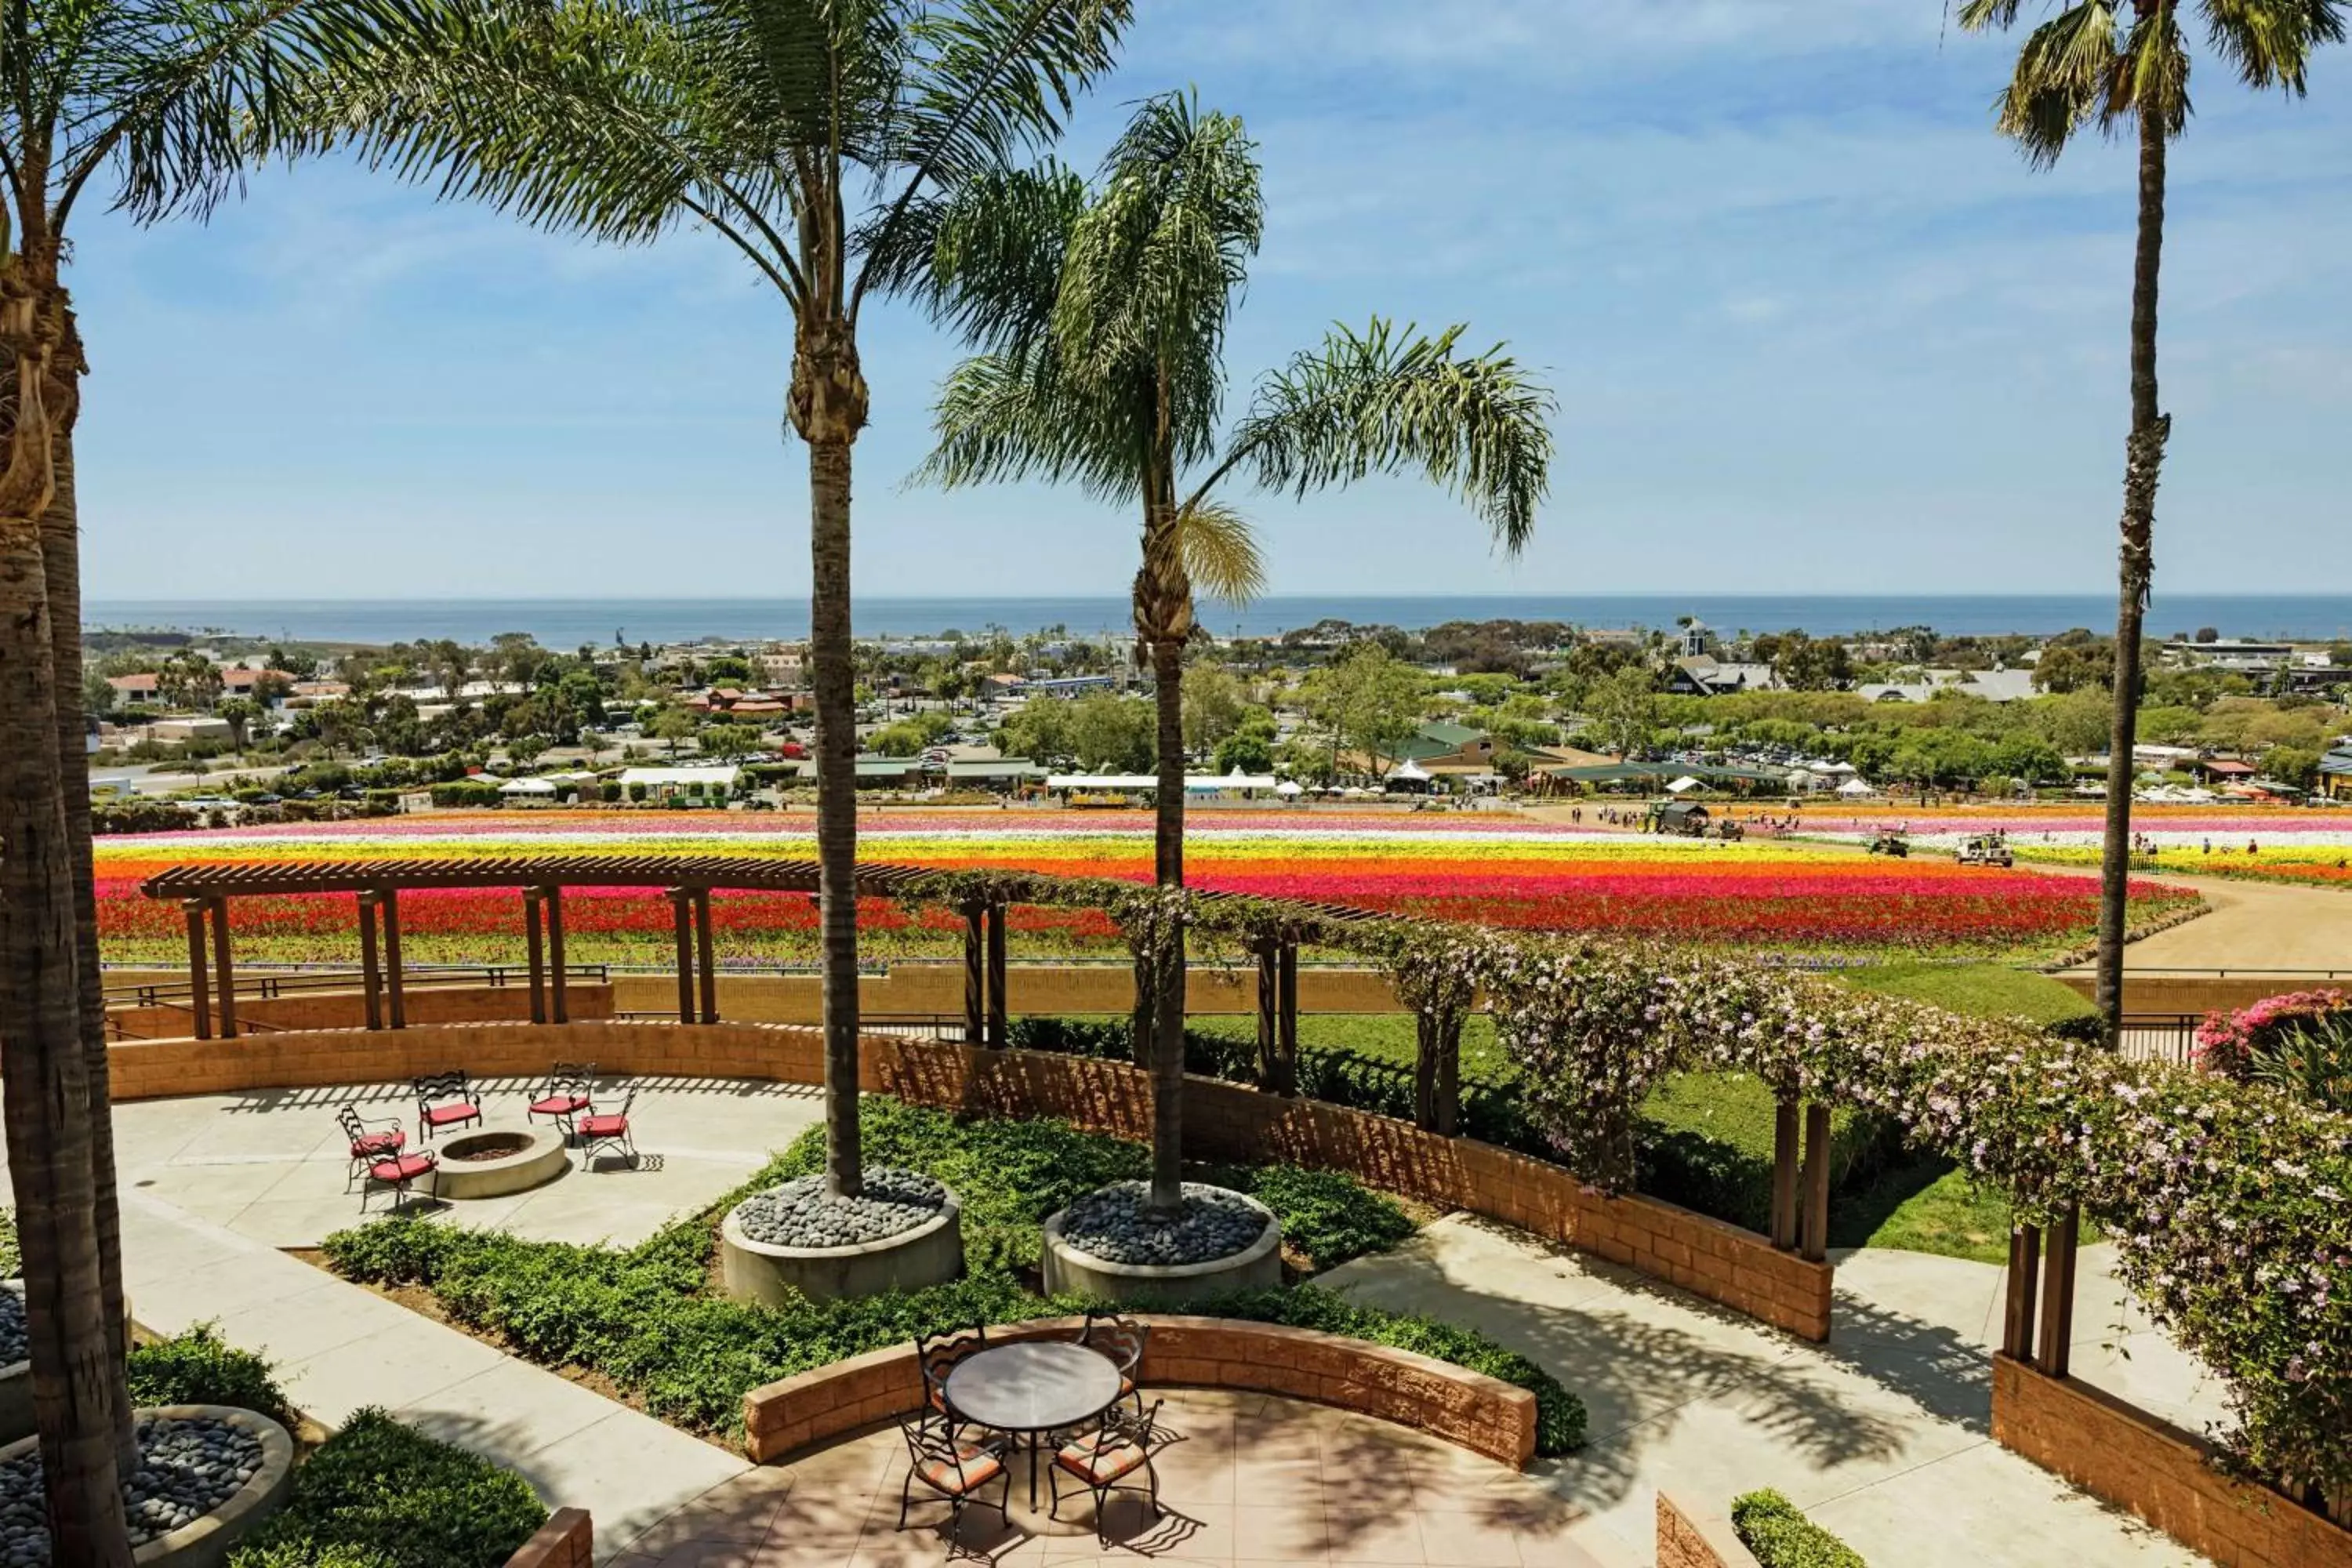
[[199, 1367], [645, 1318], [1770, 1526], [465, 792], [381, 1495]]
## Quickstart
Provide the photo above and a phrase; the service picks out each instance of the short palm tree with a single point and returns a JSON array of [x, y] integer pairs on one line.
[[1100, 316], [2118, 64], [145, 105], [804, 133]]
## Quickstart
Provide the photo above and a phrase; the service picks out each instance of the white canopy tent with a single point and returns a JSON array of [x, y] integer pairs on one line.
[[1855, 789], [1290, 787], [1682, 784], [542, 788]]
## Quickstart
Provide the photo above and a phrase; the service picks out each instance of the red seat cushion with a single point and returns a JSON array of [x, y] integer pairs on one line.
[[442, 1115], [560, 1105], [1099, 1467], [377, 1143], [603, 1126], [407, 1168]]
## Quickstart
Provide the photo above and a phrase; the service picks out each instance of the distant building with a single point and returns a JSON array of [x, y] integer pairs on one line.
[[1992, 685], [1697, 675], [135, 690]]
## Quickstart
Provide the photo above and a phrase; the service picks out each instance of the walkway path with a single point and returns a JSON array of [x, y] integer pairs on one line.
[[338, 1348], [1883, 1434]]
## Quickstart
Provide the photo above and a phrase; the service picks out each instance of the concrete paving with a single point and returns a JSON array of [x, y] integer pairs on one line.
[[1883, 1434], [272, 1164]]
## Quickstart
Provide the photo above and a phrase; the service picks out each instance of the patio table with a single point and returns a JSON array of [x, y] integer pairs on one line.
[[1032, 1389]]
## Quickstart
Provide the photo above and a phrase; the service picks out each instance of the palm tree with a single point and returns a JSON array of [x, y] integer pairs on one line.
[[2115, 65], [142, 106], [1100, 317], [803, 133]]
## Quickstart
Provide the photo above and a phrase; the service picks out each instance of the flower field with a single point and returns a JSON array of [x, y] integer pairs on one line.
[[2267, 844], [1498, 870]]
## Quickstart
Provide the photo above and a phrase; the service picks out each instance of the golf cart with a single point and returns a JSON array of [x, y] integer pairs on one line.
[[1985, 849]]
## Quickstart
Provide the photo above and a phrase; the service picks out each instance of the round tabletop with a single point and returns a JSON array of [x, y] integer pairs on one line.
[[1032, 1386]]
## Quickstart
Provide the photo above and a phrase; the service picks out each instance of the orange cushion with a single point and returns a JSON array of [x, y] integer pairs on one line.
[[442, 1115], [1099, 1467], [943, 1474]]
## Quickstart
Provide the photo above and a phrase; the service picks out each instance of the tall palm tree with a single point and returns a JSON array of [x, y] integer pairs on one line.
[[1100, 317], [144, 104], [803, 133], [2123, 65]]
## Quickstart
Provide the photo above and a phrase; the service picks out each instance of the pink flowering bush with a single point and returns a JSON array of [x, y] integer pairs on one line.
[[2232, 1043]]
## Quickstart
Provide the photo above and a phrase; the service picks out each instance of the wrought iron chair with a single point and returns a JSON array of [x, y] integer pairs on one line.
[[399, 1172], [937, 1354], [602, 1127], [1102, 1460], [1122, 1339], [568, 1088], [370, 1141], [444, 1100], [952, 1466]]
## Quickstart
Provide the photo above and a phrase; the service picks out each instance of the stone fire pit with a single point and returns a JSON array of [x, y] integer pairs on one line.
[[497, 1161]]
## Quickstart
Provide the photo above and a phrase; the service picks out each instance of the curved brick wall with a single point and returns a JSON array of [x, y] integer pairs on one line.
[[1476, 1412], [1221, 1121]]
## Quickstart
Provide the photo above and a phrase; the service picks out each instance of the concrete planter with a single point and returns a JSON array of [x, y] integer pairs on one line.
[[1257, 1267], [540, 1159], [930, 1254], [205, 1543]]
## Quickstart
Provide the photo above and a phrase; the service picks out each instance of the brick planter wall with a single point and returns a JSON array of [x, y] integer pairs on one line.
[[1476, 1412], [566, 1541], [2160, 1473], [1688, 1538], [1705, 1257]]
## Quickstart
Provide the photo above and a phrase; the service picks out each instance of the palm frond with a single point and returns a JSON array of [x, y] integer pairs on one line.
[[1005, 418], [1220, 552], [987, 261], [2270, 42], [1390, 401], [2063, 80], [2151, 76]]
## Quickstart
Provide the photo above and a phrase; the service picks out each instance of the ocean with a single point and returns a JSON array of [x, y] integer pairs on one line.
[[568, 623]]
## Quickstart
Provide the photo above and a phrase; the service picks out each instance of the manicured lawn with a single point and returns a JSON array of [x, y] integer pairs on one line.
[[1925, 1206], [1388, 1036], [1983, 990]]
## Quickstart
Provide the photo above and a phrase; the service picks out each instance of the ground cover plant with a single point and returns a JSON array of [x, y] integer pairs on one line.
[[646, 1317], [1506, 873], [381, 1495], [1780, 1536]]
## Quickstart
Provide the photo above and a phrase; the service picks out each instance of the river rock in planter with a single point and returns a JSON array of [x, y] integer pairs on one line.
[[1111, 1223], [801, 1212], [187, 1468]]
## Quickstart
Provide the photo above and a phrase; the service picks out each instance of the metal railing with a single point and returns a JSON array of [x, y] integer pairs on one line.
[[264, 985], [2160, 1037]]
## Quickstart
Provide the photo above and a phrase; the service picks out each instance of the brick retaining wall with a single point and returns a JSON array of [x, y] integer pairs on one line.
[[2157, 1471], [582, 1000], [1469, 1409], [1688, 1538], [568, 1540], [1705, 1257]]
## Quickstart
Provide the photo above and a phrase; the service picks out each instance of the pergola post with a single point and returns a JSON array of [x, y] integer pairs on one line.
[[1449, 1073], [1269, 1009], [2058, 1296], [226, 975], [999, 1033], [1785, 1123], [370, 966], [531, 899], [2017, 1318], [707, 966], [200, 991], [392, 969], [1817, 1181], [1286, 1017], [559, 1006], [975, 976], [685, 924]]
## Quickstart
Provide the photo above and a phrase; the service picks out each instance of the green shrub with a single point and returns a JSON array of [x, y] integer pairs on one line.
[[464, 792], [382, 1494], [12, 1258], [638, 791], [1770, 1526], [1328, 1215], [199, 1367], [609, 791], [1705, 1140]]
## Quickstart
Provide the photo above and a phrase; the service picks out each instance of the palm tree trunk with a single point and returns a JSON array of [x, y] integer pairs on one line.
[[61, 569], [834, 682], [1167, 871], [2143, 464], [44, 1085]]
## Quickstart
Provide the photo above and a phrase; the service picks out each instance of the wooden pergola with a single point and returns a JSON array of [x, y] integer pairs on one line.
[[204, 892]]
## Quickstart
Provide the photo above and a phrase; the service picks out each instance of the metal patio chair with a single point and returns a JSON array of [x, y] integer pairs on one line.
[[370, 1140], [445, 1100]]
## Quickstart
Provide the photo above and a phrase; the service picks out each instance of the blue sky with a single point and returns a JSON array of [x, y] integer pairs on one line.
[[1813, 326]]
